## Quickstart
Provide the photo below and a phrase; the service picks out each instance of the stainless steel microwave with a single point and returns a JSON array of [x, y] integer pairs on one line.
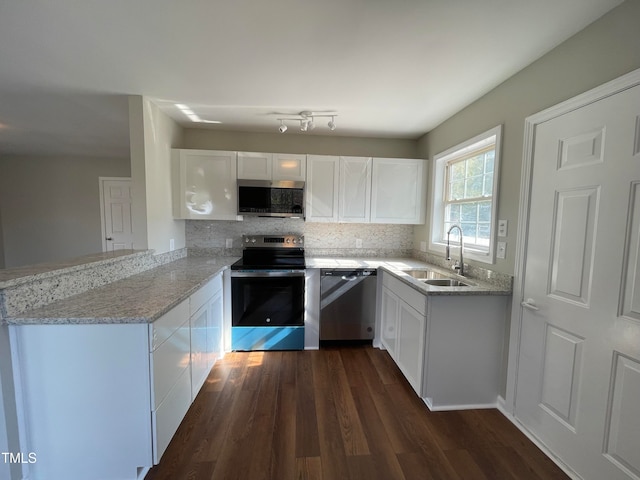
[[266, 198]]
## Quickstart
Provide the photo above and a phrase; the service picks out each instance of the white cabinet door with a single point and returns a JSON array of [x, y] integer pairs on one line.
[[410, 352], [355, 189], [389, 321], [322, 188], [204, 185], [255, 166], [398, 192], [214, 330], [199, 352], [289, 166]]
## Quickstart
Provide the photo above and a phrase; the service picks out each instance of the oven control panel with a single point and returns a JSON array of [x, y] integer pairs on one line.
[[273, 241]]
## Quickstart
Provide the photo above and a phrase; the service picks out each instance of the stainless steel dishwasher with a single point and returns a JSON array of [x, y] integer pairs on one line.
[[347, 303]]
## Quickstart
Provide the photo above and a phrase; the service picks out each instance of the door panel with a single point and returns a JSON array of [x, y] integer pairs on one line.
[[578, 379], [573, 242], [631, 283], [561, 374], [624, 416]]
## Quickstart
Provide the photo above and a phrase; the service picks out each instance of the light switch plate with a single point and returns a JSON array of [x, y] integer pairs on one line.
[[229, 243], [358, 243], [502, 228], [172, 244], [502, 250]]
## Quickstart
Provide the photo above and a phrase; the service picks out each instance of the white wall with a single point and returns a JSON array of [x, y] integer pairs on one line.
[[152, 135], [50, 206], [605, 50]]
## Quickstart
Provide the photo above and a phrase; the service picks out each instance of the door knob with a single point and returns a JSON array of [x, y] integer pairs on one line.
[[530, 303]]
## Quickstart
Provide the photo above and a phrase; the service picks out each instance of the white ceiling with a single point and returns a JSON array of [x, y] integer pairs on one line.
[[390, 68]]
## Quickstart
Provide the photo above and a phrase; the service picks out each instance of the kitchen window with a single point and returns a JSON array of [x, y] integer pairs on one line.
[[465, 189]]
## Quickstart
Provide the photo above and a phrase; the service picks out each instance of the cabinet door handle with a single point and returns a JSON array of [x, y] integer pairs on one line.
[[109, 238], [530, 303], [349, 279]]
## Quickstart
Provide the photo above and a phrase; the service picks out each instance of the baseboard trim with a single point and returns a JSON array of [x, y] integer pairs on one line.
[[538, 443]]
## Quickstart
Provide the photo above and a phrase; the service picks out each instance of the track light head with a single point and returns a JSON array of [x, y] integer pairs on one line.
[[332, 124], [282, 128], [304, 125]]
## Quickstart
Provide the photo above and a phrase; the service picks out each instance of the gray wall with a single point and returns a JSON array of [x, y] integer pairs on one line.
[[1, 240], [51, 206], [299, 143], [605, 50], [152, 135]]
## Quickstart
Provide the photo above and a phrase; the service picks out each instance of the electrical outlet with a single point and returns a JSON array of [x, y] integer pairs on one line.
[[502, 250], [229, 243], [172, 244], [502, 228], [358, 243], [423, 246]]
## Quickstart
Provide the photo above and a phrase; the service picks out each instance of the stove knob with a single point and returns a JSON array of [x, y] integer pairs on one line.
[[253, 240], [294, 241], [300, 240], [246, 240], [288, 240]]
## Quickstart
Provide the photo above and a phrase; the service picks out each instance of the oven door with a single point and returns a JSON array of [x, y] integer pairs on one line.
[[267, 310]]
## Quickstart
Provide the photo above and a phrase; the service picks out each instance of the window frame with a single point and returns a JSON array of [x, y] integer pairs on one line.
[[440, 186]]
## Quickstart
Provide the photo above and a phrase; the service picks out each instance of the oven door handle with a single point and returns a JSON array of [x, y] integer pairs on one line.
[[267, 273]]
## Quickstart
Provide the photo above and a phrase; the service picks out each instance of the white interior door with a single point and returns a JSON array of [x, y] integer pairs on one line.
[[578, 375], [117, 226]]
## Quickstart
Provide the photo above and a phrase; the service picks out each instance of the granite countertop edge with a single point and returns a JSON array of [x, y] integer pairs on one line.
[[141, 298]]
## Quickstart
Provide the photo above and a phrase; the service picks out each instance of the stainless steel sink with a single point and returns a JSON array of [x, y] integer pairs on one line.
[[445, 282], [425, 274]]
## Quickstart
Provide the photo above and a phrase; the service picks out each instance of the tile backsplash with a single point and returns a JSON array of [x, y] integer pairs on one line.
[[321, 239]]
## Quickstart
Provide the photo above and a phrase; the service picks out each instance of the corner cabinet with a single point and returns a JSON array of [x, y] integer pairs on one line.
[[398, 191], [204, 185], [448, 347], [366, 190]]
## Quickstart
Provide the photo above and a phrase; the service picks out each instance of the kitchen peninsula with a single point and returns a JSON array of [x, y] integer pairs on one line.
[[116, 367]]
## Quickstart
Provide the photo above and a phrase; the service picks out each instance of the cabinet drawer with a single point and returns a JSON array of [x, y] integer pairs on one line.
[[168, 323], [415, 299], [169, 361], [167, 417], [202, 295]]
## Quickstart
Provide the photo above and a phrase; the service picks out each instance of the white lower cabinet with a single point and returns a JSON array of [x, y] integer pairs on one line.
[[449, 347], [104, 401], [403, 326], [206, 331]]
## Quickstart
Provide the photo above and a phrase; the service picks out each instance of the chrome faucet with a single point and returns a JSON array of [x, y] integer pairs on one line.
[[460, 266]]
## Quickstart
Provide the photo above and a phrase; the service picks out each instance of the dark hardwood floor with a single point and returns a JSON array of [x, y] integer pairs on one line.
[[337, 413]]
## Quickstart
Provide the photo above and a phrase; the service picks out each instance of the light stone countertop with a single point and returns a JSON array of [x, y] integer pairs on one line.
[[144, 297], [398, 267], [140, 298]]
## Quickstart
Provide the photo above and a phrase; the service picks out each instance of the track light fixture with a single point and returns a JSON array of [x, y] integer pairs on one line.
[[306, 119]]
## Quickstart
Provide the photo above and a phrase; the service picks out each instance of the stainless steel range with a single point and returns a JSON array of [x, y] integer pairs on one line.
[[268, 294]]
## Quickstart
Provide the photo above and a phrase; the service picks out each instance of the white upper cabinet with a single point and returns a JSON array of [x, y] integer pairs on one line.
[[204, 185], [255, 166], [355, 190], [398, 192], [271, 166], [323, 173], [289, 166]]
